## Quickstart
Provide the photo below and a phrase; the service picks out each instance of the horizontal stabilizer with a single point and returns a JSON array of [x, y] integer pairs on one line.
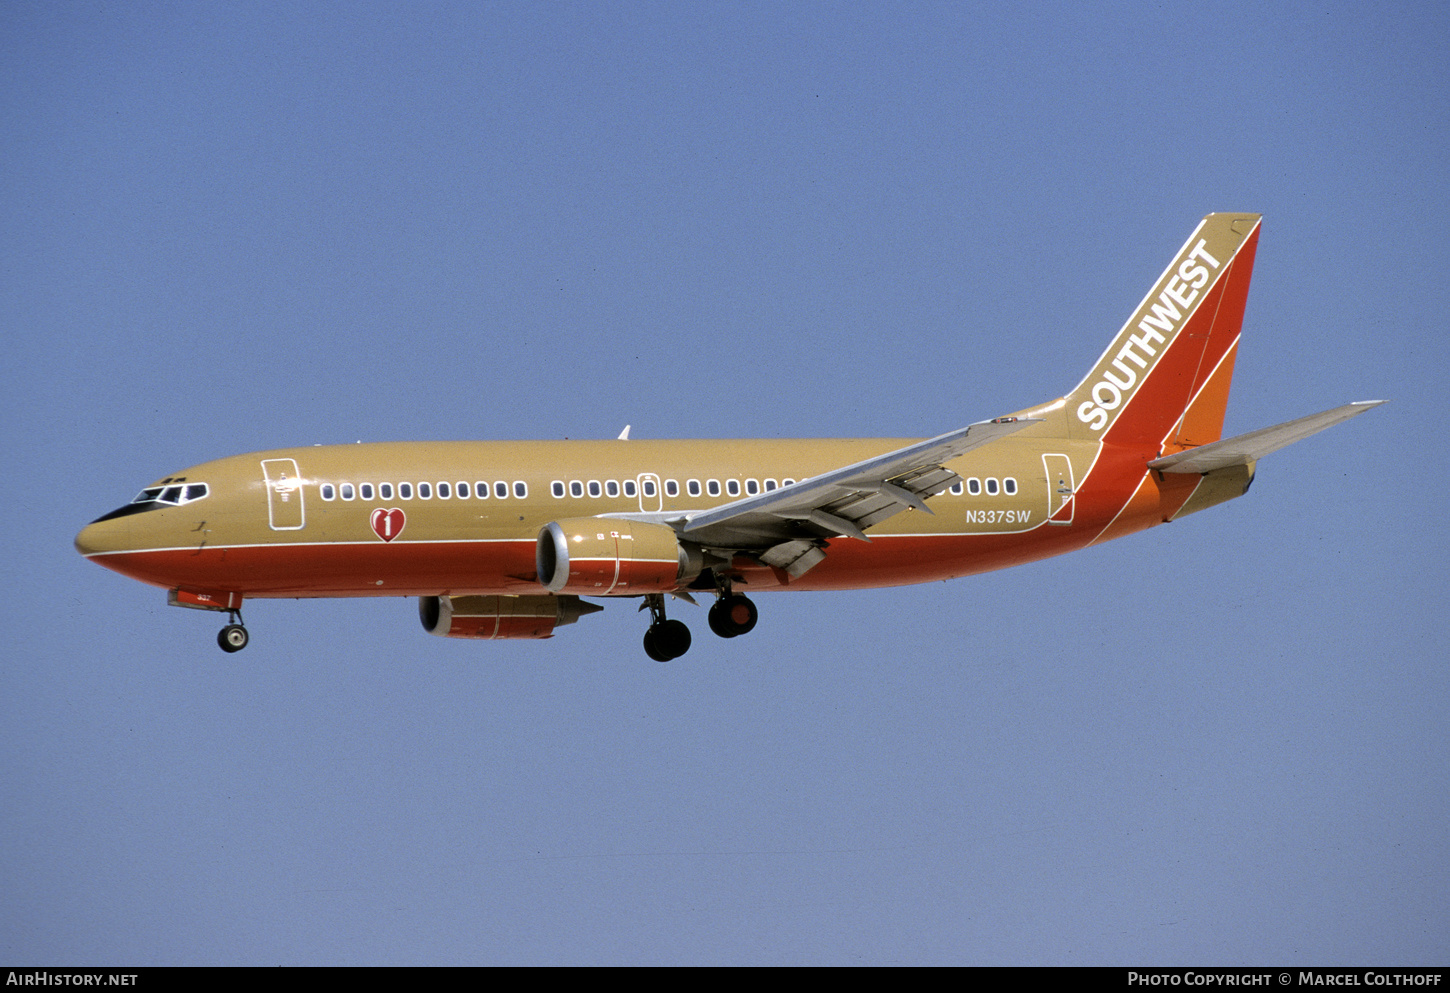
[[1248, 448]]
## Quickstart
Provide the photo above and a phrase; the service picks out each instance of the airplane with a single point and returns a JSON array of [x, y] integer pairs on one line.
[[502, 540]]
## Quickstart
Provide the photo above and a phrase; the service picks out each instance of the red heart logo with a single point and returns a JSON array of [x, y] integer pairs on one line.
[[388, 524]]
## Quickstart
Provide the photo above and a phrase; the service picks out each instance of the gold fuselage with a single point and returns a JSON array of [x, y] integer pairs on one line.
[[311, 532]]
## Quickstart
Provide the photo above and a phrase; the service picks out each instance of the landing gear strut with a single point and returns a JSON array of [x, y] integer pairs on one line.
[[233, 637], [665, 639]]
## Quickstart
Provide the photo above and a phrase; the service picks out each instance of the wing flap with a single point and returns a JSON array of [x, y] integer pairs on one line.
[[844, 501], [795, 557], [1248, 448]]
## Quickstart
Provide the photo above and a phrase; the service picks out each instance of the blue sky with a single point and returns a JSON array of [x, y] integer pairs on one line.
[[233, 227]]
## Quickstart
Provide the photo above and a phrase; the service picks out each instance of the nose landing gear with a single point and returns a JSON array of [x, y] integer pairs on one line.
[[233, 637]]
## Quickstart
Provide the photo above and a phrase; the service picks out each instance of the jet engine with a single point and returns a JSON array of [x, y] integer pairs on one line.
[[490, 617], [606, 556]]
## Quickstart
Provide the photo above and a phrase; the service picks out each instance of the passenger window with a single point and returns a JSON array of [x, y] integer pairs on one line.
[[956, 489], [630, 490], [328, 493], [712, 487], [462, 489], [365, 491], [787, 482], [521, 490], [974, 486], [752, 487], [991, 487], [348, 492], [1009, 486], [732, 487], [611, 488], [405, 491], [769, 485], [576, 488], [693, 487], [425, 491], [649, 487], [595, 489], [385, 490], [672, 488], [557, 488], [501, 490], [443, 491]]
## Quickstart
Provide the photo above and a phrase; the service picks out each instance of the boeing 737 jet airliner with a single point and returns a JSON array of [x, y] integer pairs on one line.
[[506, 539]]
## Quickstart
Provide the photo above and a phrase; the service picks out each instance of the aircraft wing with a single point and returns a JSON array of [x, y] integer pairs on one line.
[[787, 524], [1247, 448]]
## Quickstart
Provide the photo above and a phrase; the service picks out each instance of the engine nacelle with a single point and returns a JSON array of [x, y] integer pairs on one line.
[[606, 556], [490, 617]]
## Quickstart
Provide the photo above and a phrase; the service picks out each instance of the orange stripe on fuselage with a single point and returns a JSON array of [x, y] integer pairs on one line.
[[1157, 498], [299, 569]]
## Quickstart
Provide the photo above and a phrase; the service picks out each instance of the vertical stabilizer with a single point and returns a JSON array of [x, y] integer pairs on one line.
[[1164, 380]]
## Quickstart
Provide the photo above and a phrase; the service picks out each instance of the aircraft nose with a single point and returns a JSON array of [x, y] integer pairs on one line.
[[88, 541], [100, 537]]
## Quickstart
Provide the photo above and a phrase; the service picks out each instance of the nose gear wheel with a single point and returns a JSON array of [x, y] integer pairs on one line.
[[233, 637]]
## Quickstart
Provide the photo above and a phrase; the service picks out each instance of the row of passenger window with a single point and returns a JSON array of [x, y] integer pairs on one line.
[[425, 491], [578, 488], [647, 485], [735, 487]]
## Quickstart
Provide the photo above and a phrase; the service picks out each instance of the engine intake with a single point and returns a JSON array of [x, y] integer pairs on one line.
[[491, 617], [605, 556]]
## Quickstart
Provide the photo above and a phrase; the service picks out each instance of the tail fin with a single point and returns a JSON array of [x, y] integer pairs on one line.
[[1164, 380]]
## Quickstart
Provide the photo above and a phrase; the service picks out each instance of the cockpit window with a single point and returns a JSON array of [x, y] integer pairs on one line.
[[174, 495], [156, 497]]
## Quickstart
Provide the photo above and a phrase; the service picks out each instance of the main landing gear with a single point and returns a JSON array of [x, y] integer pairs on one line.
[[731, 615], [233, 637], [665, 639]]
